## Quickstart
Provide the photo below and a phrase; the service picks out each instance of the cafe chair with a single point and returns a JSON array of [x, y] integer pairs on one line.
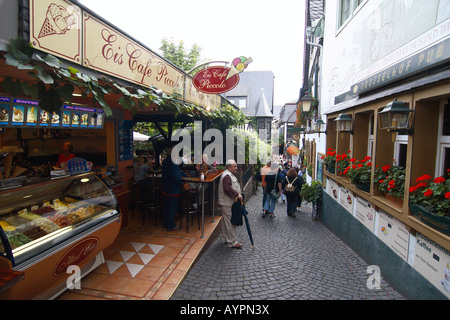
[[148, 202], [189, 198]]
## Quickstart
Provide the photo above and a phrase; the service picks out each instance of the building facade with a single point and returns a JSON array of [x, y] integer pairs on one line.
[[254, 97], [376, 54]]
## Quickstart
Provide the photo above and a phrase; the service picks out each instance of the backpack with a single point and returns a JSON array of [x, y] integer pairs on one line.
[[290, 186]]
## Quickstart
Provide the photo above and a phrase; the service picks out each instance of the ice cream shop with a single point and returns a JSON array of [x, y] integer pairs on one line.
[[74, 93]]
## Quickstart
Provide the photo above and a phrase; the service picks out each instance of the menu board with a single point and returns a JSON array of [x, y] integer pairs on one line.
[[346, 199], [433, 262], [126, 149], [365, 213], [394, 234], [27, 114]]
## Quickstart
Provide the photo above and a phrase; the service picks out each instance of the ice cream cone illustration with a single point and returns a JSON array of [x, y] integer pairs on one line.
[[57, 21], [238, 65]]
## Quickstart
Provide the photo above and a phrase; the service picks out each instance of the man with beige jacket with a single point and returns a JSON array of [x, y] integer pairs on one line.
[[229, 190]]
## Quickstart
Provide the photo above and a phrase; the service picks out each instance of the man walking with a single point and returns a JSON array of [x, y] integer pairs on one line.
[[229, 190]]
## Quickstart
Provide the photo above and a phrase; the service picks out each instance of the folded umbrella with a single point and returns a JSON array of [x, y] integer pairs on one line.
[[237, 212], [247, 225]]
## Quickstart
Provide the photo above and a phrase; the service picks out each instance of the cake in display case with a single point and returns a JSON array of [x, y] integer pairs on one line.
[[42, 217]]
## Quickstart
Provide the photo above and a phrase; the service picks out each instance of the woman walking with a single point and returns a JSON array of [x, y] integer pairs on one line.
[[292, 184]]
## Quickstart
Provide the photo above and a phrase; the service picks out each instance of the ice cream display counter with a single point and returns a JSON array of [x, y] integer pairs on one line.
[[51, 228]]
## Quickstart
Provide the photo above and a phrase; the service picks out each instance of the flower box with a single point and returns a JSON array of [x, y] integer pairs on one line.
[[440, 223], [397, 201], [331, 169], [363, 186]]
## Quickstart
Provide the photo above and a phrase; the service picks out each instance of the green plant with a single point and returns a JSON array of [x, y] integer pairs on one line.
[[311, 192], [391, 180], [434, 195], [359, 171], [309, 170]]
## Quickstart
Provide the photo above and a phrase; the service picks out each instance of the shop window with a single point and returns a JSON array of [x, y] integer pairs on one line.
[[445, 162], [444, 142], [400, 154], [370, 144], [446, 119]]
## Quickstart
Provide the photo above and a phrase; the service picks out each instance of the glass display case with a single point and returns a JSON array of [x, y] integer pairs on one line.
[[39, 218]]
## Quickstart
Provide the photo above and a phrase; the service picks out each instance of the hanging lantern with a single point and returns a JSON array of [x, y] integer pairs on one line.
[[395, 117], [306, 102], [343, 123]]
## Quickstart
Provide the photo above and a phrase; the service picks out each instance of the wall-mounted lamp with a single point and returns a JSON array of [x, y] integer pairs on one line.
[[320, 126], [306, 102], [343, 123], [395, 118]]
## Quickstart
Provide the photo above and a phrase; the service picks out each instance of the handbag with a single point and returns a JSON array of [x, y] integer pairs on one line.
[[236, 212], [274, 193]]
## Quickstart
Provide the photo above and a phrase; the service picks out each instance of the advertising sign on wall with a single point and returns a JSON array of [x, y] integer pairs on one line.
[[394, 234], [346, 199], [365, 213], [433, 262], [333, 189]]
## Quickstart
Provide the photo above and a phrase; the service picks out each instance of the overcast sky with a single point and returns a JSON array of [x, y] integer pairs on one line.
[[271, 32]]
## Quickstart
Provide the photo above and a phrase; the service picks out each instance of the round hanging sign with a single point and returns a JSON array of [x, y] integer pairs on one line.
[[215, 80]]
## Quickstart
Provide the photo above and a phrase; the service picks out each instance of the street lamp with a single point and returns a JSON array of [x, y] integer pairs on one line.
[[343, 123], [395, 117], [306, 102]]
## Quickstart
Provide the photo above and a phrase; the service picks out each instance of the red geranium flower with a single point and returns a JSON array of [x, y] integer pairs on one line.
[[385, 168], [424, 177], [439, 180], [447, 195], [428, 193]]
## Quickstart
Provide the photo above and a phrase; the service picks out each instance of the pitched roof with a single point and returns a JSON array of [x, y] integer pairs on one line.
[[262, 109]]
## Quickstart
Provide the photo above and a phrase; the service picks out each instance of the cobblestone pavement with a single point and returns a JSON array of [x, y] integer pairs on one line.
[[294, 259]]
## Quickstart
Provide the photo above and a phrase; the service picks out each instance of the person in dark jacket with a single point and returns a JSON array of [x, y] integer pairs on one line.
[[273, 180], [171, 190], [292, 195]]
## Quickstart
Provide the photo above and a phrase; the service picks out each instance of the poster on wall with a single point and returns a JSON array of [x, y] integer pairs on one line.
[[433, 262], [394, 234], [365, 213], [333, 189], [346, 199]]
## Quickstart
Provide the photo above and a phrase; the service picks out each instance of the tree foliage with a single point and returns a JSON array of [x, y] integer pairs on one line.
[[177, 54]]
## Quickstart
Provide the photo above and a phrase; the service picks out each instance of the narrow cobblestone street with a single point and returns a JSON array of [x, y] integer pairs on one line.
[[294, 259]]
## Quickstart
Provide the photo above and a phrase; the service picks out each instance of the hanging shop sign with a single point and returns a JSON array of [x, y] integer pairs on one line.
[[63, 29], [220, 79], [55, 28], [27, 114]]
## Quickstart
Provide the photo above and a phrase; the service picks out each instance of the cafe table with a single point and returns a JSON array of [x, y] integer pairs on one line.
[[210, 177]]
